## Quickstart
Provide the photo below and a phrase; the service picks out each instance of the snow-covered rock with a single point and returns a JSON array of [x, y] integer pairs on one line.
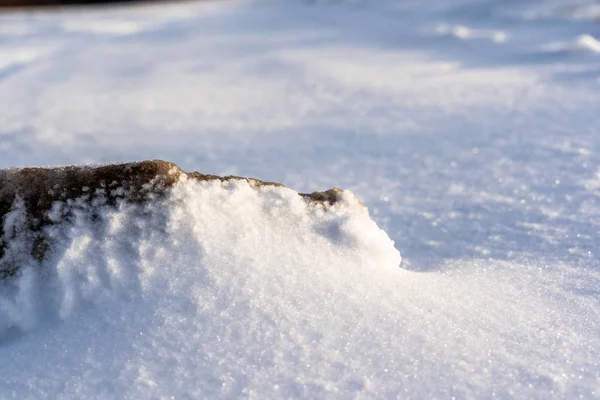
[[35, 201], [243, 266]]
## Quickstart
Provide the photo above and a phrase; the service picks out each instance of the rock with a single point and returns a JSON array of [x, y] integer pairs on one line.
[[33, 191]]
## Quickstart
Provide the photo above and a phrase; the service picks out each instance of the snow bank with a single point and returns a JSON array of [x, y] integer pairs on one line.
[[34, 202], [250, 265]]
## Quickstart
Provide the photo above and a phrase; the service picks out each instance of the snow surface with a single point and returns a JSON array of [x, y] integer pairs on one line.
[[198, 295], [469, 128]]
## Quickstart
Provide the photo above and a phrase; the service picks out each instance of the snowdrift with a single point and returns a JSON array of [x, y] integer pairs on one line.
[[223, 270], [34, 202]]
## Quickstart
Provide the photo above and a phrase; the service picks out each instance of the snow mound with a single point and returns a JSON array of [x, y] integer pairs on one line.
[[237, 273], [219, 249]]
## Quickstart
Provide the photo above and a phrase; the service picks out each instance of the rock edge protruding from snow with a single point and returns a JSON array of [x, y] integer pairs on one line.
[[28, 195]]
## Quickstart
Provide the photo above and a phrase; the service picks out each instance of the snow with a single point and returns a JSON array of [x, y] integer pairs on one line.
[[463, 32], [468, 129], [215, 261], [587, 42], [219, 273]]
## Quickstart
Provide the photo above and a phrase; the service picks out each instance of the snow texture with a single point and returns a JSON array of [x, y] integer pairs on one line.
[[468, 128], [200, 294]]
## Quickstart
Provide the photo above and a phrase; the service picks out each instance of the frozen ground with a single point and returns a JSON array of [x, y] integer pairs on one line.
[[469, 129]]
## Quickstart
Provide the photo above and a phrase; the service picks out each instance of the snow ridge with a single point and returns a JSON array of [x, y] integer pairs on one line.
[[100, 250]]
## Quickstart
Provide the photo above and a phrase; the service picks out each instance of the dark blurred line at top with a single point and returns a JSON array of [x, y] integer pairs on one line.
[[25, 4]]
